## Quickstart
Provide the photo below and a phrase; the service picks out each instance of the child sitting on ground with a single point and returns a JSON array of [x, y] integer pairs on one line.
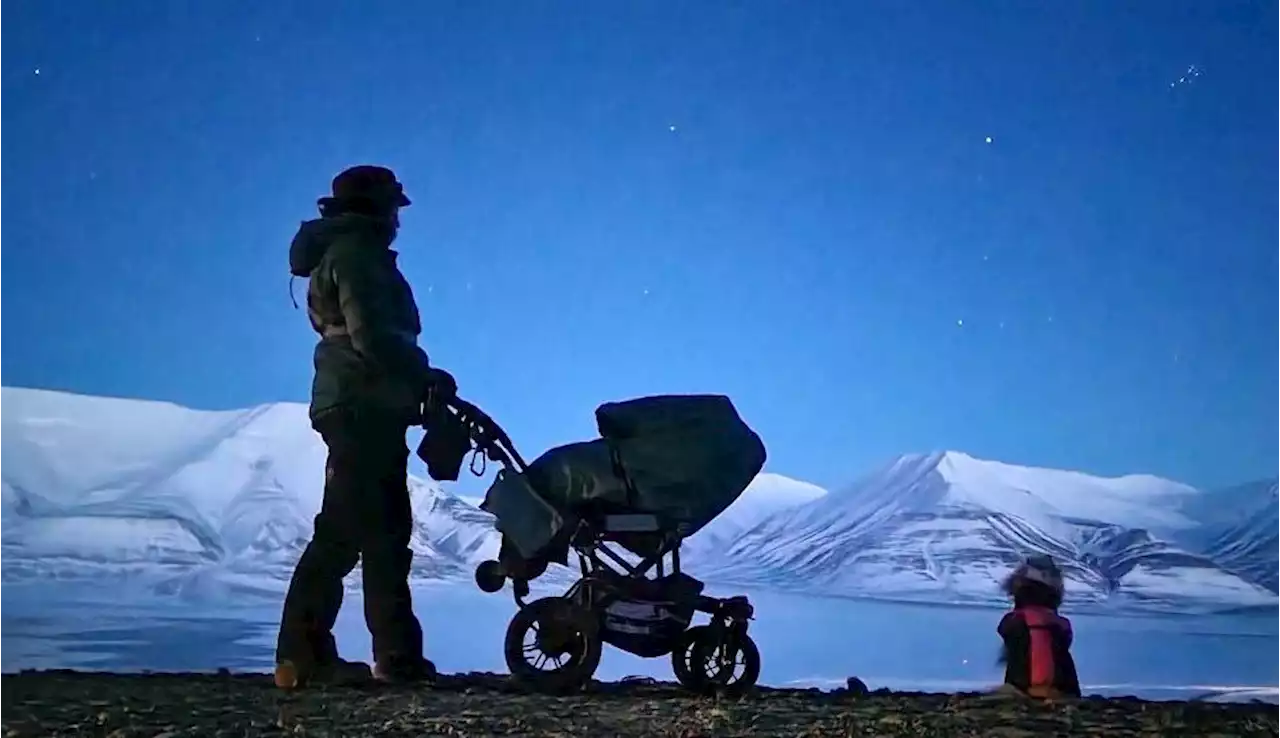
[[1037, 640]]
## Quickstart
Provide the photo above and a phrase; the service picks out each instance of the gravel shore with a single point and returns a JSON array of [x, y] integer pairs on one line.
[[170, 705]]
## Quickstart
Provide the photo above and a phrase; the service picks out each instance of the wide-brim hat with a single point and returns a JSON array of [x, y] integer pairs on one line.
[[369, 182]]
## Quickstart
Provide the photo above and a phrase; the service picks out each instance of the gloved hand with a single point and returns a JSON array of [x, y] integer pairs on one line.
[[440, 388], [447, 439]]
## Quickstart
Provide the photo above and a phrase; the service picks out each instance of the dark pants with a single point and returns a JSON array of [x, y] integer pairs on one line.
[[366, 517]]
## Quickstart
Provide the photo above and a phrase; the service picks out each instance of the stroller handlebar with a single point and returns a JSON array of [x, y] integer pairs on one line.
[[488, 436]]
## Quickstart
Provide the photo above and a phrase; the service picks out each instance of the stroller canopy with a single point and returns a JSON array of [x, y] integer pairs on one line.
[[687, 458], [682, 458]]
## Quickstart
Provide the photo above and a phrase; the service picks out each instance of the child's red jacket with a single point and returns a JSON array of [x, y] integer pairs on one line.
[[1037, 645]]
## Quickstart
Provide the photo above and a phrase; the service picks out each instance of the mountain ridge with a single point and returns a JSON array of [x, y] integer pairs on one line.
[[943, 525], [206, 501]]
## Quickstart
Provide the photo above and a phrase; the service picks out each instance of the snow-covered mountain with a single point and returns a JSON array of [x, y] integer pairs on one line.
[[948, 527], [768, 494], [1239, 531], [207, 503], [100, 487]]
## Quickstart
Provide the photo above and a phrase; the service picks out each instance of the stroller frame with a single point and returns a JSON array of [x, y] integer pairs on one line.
[[577, 623]]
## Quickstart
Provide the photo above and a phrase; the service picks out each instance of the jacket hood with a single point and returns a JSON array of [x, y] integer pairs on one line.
[[314, 237]]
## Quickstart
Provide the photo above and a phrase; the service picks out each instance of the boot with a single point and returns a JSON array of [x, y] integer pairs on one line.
[[294, 675], [404, 670]]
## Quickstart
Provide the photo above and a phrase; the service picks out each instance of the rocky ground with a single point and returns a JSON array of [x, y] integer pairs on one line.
[[171, 705]]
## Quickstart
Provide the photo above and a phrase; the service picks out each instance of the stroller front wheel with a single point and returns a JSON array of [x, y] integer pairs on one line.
[[490, 576], [707, 661], [553, 645]]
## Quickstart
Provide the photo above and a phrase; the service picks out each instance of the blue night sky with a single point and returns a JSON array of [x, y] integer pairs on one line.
[[795, 204]]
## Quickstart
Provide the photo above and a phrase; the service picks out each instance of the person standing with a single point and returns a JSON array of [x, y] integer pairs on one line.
[[370, 380]]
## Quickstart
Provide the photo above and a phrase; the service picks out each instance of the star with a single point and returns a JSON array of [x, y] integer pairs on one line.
[[37, 71], [988, 139], [1187, 77], [671, 128]]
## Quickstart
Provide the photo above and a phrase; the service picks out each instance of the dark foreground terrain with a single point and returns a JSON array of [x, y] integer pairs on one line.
[[171, 705]]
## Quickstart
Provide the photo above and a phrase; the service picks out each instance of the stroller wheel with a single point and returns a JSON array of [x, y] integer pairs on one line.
[[553, 645], [706, 662], [682, 657], [490, 576]]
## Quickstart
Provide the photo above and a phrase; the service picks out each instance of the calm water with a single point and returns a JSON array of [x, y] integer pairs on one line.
[[803, 640]]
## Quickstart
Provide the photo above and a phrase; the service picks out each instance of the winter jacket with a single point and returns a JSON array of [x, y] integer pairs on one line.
[[1037, 648], [367, 359]]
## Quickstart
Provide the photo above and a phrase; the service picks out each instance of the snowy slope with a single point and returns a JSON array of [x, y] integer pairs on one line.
[[768, 494], [948, 527], [97, 487], [1239, 531], [206, 503], [209, 503]]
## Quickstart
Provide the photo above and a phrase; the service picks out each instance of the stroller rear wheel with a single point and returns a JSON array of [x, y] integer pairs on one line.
[[709, 660], [553, 645]]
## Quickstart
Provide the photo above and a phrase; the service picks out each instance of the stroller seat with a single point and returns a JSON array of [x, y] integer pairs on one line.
[[637, 523], [645, 529], [640, 533]]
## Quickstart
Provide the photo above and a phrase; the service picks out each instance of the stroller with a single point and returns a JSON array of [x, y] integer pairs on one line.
[[664, 467]]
